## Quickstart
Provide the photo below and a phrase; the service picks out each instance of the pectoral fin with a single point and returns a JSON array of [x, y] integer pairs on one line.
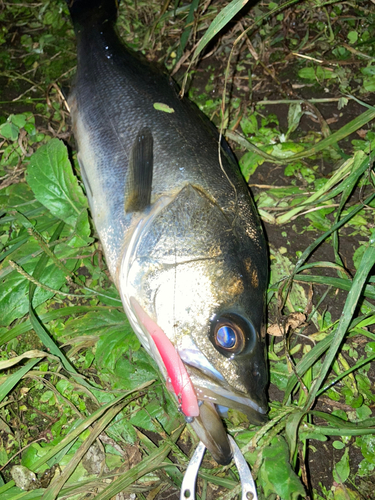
[[141, 163]]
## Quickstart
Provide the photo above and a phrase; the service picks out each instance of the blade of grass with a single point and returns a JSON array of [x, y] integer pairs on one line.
[[334, 421], [353, 368], [74, 433], [56, 459], [226, 15], [24, 495], [23, 260], [56, 485], [149, 464], [36, 323], [222, 19], [310, 429], [325, 235], [30, 214], [229, 484], [312, 357], [188, 27], [339, 422], [342, 283], [29, 354], [173, 472], [12, 380], [367, 262], [50, 316], [354, 166], [337, 136], [306, 362], [14, 247], [84, 425], [353, 178], [291, 431], [323, 264]]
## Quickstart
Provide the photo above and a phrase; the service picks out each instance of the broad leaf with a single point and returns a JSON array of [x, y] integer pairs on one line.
[[50, 176]]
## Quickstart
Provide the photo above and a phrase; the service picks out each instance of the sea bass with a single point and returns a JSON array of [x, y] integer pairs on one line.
[[179, 229]]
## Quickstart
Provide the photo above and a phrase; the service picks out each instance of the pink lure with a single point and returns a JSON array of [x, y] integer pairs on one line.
[[181, 383]]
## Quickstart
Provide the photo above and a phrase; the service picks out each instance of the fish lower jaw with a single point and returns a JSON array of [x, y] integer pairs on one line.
[[212, 391]]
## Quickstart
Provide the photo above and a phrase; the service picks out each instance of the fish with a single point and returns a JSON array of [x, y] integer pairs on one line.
[[179, 229]]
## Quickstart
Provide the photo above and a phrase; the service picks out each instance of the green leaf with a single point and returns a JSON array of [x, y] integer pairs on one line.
[[294, 116], [291, 430], [160, 106], [365, 468], [46, 396], [367, 445], [369, 83], [342, 469], [352, 36], [304, 435], [14, 301], [317, 74], [276, 474], [132, 372], [50, 176], [338, 445], [307, 73], [279, 375], [18, 120], [249, 163], [112, 346], [9, 131], [82, 231], [249, 124], [344, 493], [364, 411]]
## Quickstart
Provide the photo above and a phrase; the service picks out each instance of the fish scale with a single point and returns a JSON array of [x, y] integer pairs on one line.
[[179, 229]]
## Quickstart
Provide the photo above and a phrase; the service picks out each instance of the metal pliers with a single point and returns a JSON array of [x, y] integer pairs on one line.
[[249, 491]]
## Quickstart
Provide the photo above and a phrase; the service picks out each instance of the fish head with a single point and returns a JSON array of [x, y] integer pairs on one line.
[[192, 280]]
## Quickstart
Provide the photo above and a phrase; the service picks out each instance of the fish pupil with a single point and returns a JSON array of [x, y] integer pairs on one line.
[[226, 337]]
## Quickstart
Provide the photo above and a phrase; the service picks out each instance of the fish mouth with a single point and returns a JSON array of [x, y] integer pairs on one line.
[[213, 397], [211, 386], [211, 392]]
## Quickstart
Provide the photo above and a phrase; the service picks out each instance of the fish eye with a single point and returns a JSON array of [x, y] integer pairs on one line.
[[226, 337], [230, 334]]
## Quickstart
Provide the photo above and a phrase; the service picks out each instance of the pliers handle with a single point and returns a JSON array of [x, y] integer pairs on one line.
[[249, 491]]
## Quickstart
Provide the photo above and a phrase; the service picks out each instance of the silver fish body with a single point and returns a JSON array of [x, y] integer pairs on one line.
[[179, 229]]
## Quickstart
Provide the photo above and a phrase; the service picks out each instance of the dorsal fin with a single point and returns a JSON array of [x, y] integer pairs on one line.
[[141, 164]]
